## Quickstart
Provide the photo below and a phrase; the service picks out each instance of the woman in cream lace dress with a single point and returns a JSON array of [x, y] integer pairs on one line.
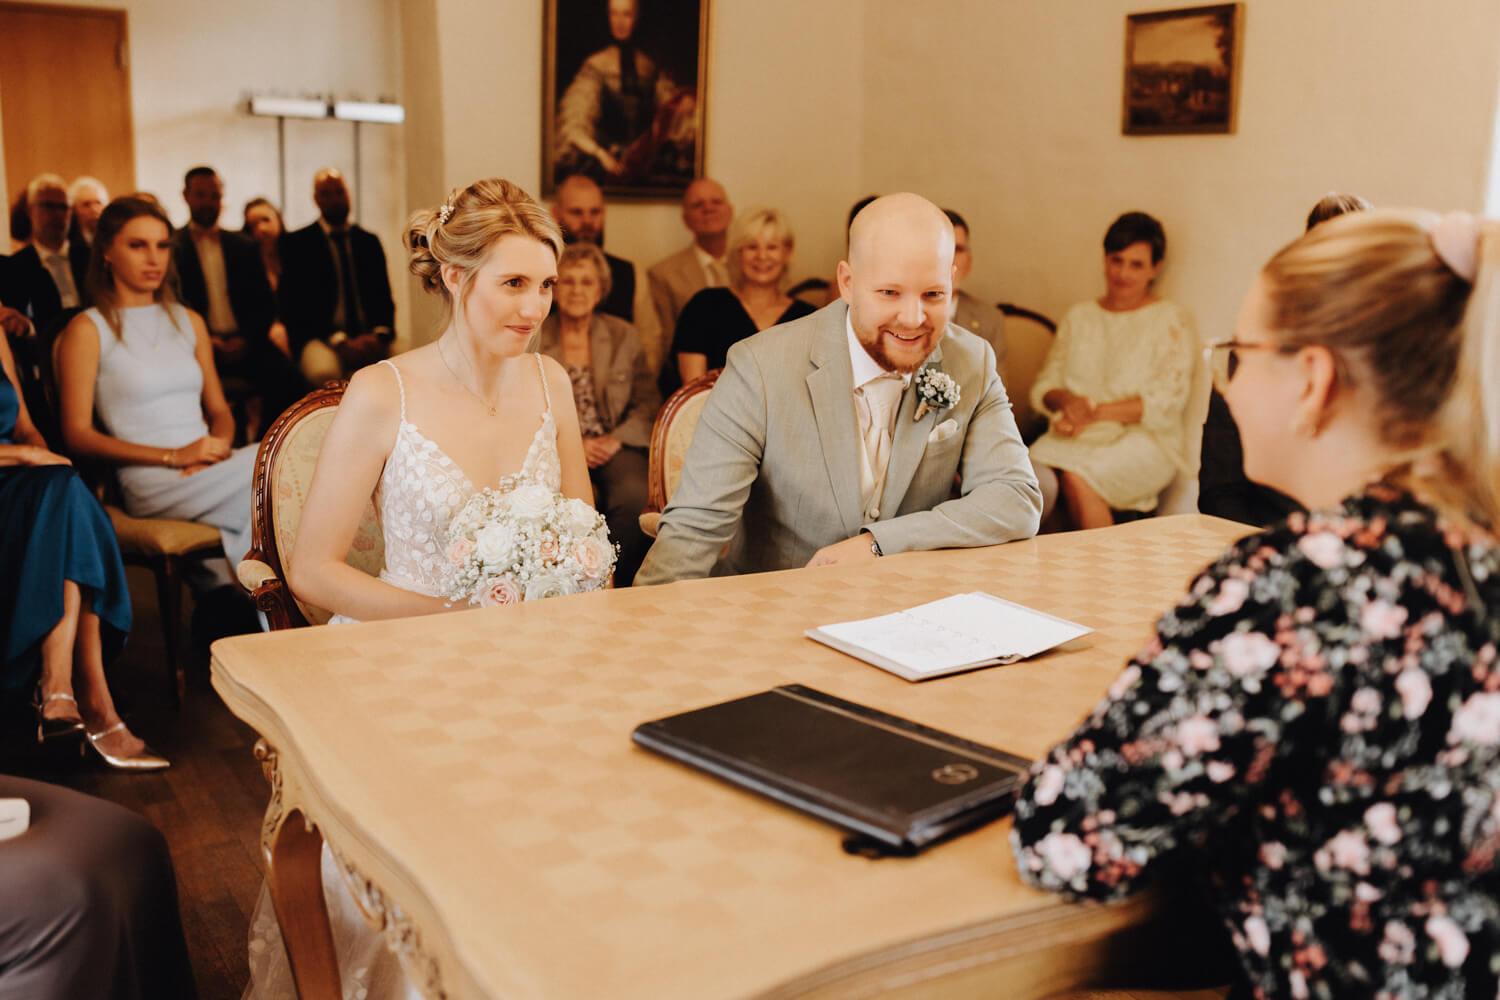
[[423, 433], [1115, 384]]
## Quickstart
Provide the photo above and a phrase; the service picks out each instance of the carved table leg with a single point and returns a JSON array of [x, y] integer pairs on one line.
[[293, 848]]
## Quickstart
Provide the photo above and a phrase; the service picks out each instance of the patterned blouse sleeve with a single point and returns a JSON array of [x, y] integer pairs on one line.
[[1174, 352], [1178, 746]]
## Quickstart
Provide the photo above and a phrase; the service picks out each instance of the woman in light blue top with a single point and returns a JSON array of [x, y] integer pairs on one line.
[[144, 365]]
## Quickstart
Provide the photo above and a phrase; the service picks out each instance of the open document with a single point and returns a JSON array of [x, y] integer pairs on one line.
[[946, 636]]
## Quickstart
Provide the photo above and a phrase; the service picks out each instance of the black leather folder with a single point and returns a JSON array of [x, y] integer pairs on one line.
[[894, 784]]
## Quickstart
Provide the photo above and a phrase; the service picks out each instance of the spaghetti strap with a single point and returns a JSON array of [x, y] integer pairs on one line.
[[541, 373], [399, 385]]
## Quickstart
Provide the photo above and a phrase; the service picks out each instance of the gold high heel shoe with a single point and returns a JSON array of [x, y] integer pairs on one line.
[[53, 729], [146, 760]]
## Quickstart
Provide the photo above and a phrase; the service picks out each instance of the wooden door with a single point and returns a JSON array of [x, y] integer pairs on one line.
[[65, 96]]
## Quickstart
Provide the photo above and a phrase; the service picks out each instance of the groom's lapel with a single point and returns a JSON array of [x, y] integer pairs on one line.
[[908, 444], [831, 386]]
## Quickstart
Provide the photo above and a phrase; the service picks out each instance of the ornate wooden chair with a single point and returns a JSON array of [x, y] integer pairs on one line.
[[283, 472], [670, 437], [1028, 338]]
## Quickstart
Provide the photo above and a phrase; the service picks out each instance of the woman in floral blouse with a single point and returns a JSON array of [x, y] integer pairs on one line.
[[1319, 717]]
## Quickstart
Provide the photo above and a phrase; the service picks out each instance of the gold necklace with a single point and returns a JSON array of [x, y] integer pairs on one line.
[[443, 354]]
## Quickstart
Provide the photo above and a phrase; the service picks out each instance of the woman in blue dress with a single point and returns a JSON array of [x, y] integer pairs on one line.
[[63, 599], [143, 364]]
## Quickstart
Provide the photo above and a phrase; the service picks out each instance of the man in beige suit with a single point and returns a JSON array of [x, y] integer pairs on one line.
[[706, 212], [820, 444]]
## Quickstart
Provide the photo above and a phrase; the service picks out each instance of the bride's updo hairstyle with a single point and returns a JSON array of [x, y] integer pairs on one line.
[[461, 232], [1409, 305]]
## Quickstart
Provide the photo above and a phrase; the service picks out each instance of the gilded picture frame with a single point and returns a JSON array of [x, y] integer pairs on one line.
[[1182, 70]]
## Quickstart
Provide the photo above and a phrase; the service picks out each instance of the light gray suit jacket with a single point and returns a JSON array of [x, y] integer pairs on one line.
[[624, 387], [674, 280], [774, 464], [986, 321]]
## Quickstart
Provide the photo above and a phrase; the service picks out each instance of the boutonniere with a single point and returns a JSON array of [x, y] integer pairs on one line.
[[936, 390]]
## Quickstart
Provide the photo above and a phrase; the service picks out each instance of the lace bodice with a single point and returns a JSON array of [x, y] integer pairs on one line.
[[421, 488]]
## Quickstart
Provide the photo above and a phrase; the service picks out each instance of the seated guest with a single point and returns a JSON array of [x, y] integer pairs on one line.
[[760, 251], [335, 295], [968, 312], [1115, 384], [706, 212], [1223, 489], [88, 197], [263, 225], [221, 277], [90, 903], [1315, 719], [837, 437], [613, 392], [144, 365], [578, 206], [64, 604], [50, 270]]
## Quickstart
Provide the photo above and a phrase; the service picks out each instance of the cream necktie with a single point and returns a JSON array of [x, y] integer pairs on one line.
[[717, 276], [62, 276], [882, 395]]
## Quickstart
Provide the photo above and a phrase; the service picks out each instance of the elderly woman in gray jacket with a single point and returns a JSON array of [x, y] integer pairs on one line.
[[614, 392]]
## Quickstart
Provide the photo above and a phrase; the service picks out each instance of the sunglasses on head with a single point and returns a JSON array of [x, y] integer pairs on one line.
[[1224, 359]]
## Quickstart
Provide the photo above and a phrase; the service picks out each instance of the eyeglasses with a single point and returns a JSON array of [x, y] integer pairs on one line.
[[1223, 358]]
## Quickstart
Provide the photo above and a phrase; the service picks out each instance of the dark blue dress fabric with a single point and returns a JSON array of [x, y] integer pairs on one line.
[[51, 529]]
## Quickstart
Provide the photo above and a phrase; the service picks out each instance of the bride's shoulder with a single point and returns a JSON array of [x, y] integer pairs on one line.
[[374, 392], [558, 380]]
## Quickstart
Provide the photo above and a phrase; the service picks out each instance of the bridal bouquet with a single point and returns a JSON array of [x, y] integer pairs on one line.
[[523, 544]]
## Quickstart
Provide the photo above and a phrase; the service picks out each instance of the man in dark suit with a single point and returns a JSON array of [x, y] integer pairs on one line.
[[221, 277], [51, 272], [335, 293]]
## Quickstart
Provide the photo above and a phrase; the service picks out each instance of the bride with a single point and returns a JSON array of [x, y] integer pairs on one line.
[[422, 433]]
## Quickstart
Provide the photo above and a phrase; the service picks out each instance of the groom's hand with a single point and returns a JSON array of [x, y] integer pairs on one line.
[[856, 549]]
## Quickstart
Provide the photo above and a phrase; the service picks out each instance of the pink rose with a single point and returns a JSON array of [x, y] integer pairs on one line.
[[1324, 549], [1399, 946], [1452, 942], [1477, 720], [1382, 619], [458, 552], [546, 547], [1247, 653], [1219, 771], [592, 557], [1415, 690], [1230, 598], [1380, 820], [501, 590], [1065, 854], [1197, 735], [1273, 854]]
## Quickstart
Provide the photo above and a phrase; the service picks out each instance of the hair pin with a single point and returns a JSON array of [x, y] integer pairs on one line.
[[445, 213]]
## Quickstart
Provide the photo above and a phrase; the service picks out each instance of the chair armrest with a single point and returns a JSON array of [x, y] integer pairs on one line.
[[648, 521], [253, 573]]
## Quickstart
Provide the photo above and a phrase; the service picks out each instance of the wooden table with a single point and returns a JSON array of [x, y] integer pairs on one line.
[[473, 774]]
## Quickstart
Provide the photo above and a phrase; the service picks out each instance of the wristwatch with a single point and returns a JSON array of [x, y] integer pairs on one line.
[[874, 543]]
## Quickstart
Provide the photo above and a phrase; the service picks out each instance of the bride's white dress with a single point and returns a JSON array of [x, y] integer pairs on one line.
[[420, 490]]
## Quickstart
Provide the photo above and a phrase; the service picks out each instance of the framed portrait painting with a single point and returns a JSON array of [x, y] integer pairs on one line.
[[1182, 70], [623, 94]]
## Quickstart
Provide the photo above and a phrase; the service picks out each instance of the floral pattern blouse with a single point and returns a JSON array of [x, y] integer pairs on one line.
[[1320, 719]]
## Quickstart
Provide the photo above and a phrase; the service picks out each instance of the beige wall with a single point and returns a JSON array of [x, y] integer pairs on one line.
[[1010, 112], [192, 64]]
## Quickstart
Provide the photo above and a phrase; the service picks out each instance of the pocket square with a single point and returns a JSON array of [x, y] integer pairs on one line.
[[943, 431]]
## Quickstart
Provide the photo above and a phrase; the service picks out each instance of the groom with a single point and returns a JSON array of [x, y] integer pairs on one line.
[[811, 450]]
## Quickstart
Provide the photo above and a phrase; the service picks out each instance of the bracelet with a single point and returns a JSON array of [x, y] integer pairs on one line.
[[169, 457]]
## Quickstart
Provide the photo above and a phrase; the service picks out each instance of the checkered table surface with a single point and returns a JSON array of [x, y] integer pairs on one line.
[[487, 754]]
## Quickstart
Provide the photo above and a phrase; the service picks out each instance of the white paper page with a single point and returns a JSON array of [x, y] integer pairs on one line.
[[956, 631]]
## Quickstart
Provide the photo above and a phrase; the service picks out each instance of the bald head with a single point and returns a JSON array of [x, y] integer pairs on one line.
[[900, 222], [706, 212], [579, 207], [898, 279]]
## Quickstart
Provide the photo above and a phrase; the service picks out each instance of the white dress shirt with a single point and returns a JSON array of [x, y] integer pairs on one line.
[[210, 250], [57, 264]]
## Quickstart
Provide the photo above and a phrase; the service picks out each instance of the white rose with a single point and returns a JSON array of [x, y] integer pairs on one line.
[[495, 545], [530, 501], [553, 584], [578, 517]]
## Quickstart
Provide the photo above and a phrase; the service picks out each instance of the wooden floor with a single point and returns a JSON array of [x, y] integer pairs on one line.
[[208, 804]]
